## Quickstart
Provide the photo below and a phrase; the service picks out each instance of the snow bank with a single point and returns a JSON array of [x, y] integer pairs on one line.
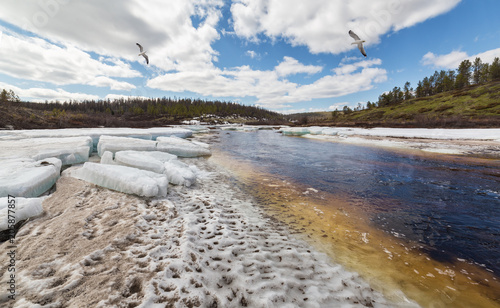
[[182, 147], [25, 177], [70, 150], [24, 209], [177, 172], [114, 144], [124, 179], [424, 133]]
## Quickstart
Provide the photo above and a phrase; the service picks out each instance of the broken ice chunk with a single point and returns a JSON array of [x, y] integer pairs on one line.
[[124, 179], [70, 150], [24, 209], [177, 172], [26, 177], [115, 144], [182, 147]]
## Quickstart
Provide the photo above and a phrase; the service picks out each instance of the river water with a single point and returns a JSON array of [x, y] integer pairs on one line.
[[447, 207]]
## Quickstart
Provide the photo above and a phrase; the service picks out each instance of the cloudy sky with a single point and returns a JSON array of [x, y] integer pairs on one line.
[[283, 55]]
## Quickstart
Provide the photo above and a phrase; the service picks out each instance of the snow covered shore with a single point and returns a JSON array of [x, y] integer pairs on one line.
[[479, 142], [207, 245]]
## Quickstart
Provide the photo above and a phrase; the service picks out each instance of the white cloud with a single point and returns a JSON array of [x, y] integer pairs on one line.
[[120, 96], [42, 94], [112, 27], [270, 90], [453, 59], [322, 25], [291, 66], [36, 59], [338, 106], [252, 54], [449, 61]]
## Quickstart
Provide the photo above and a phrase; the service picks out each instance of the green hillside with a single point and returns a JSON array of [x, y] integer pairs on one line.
[[473, 106]]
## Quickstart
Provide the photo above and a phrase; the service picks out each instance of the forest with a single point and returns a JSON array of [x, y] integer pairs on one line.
[[468, 73], [134, 112]]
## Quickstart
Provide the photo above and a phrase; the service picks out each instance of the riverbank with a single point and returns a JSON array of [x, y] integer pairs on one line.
[[484, 143], [208, 245]]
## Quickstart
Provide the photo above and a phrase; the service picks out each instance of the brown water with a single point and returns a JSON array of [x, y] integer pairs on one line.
[[355, 221]]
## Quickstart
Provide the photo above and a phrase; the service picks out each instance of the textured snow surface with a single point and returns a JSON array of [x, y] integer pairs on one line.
[[23, 208], [204, 246], [122, 178], [25, 177], [70, 150]]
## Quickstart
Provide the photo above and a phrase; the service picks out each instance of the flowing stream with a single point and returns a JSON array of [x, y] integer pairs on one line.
[[440, 214]]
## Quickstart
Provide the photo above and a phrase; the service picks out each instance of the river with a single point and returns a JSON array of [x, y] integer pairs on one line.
[[440, 209]]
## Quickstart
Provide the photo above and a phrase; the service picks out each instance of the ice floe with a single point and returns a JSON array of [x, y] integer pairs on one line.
[[114, 144], [96, 133], [70, 150], [26, 177], [24, 208], [182, 147], [177, 172], [123, 179]]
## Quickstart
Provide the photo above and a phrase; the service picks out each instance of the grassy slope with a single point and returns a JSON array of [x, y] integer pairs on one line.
[[471, 107]]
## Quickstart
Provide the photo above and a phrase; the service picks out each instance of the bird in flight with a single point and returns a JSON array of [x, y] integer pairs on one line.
[[358, 41], [143, 53]]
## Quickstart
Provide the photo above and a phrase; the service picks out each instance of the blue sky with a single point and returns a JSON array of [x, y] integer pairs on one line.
[[283, 55]]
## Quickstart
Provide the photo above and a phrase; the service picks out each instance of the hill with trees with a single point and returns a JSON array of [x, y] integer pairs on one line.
[[466, 97], [130, 112]]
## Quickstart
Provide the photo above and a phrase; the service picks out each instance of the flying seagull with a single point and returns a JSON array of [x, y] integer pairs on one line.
[[357, 41], [143, 53]]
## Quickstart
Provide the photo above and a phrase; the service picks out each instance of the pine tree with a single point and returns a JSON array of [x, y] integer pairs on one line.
[[477, 69], [4, 96], [495, 69], [464, 74], [408, 91], [485, 73]]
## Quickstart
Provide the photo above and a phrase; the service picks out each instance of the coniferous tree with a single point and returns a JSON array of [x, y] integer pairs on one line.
[[408, 91], [4, 96], [485, 73], [477, 68], [495, 69], [464, 74]]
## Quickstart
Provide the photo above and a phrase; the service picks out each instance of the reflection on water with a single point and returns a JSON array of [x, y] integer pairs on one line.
[[447, 209]]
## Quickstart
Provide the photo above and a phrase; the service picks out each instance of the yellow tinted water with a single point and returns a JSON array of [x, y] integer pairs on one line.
[[334, 225]]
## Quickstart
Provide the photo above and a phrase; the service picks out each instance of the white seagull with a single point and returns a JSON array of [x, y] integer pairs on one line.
[[143, 53], [358, 41]]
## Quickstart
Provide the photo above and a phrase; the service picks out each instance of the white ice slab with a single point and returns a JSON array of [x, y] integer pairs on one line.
[[182, 147], [96, 133], [169, 132], [114, 144], [177, 172], [70, 150], [141, 160], [26, 177], [294, 131], [124, 179], [23, 208]]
